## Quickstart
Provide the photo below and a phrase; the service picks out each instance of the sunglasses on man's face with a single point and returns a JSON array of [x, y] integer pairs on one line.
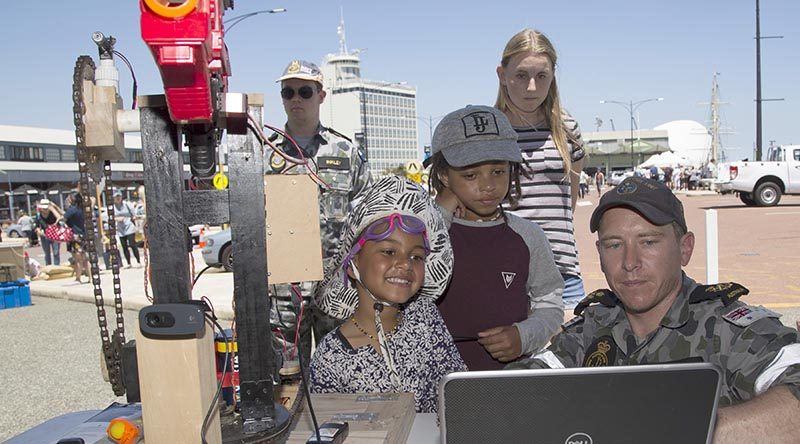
[[305, 92]]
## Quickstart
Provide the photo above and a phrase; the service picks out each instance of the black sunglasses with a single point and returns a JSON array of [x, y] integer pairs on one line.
[[305, 92]]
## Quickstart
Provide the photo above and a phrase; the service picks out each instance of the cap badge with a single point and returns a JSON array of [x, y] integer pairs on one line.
[[480, 123], [294, 67], [627, 188]]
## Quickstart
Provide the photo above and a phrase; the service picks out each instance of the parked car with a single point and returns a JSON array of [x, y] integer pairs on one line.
[[217, 249], [618, 176], [14, 230], [762, 183], [196, 231]]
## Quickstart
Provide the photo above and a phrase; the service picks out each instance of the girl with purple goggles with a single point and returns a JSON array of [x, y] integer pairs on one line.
[[382, 229]]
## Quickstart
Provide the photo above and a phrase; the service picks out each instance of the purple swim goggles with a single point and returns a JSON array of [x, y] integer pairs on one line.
[[382, 229]]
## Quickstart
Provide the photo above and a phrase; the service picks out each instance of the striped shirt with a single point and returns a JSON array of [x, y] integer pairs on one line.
[[546, 197]]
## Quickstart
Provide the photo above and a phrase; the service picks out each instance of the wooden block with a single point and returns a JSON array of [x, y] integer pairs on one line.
[[11, 253], [101, 134], [178, 382], [294, 248], [373, 417]]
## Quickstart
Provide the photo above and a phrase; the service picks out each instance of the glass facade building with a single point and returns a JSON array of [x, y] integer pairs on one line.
[[381, 116]]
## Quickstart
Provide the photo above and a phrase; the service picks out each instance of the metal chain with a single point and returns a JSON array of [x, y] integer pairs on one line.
[[87, 163]]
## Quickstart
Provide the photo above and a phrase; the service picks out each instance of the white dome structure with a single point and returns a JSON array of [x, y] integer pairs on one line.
[[688, 139]]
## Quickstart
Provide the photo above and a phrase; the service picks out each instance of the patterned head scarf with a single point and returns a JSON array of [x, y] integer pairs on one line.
[[392, 194]]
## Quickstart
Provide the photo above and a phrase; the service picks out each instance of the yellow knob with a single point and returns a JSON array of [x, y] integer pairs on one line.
[[116, 430], [220, 181]]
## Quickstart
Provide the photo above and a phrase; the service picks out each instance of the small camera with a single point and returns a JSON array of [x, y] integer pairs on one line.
[[159, 319], [171, 320]]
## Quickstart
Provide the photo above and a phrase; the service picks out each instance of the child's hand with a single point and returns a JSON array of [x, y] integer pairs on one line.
[[503, 343], [448, 200]]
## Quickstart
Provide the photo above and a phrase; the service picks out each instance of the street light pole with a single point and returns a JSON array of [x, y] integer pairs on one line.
[[238, 19], [631, 107], [430, 121], [10, 196]]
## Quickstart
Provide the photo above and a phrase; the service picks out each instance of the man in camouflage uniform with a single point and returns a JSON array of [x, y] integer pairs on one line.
[[654, 313], [340, 164]]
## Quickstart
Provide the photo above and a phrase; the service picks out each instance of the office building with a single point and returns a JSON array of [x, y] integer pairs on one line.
[[37, 163], [381, 116]]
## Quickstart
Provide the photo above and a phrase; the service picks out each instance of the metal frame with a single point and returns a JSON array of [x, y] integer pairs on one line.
[[171, 208]]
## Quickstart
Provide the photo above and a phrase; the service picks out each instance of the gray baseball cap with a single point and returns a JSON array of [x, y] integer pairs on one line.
[[475, 134], [301, 69]]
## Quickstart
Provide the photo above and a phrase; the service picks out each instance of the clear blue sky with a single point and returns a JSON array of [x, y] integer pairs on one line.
[[615, 50]]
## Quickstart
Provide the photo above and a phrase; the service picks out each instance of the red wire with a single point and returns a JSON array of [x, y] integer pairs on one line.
[[283, 338], [257, 128], [297, 332], [191, 261], [299, 318], [146, 253], [287, 136], [302, 156]]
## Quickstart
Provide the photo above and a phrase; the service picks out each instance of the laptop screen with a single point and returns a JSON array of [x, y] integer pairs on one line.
[[663, 403]]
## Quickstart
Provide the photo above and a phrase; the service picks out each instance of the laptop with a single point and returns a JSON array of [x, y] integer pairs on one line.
[[661, 403]]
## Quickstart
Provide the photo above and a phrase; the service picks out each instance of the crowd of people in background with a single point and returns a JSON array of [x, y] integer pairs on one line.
[[129, 217], [678, 178]]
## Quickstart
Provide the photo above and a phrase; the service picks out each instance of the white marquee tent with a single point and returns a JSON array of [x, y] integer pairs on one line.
[[665, 159]]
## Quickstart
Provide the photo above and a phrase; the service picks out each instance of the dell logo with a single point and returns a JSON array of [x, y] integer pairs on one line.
[[579, 438]]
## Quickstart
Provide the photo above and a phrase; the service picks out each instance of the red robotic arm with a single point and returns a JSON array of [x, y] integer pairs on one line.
[[186, 39]]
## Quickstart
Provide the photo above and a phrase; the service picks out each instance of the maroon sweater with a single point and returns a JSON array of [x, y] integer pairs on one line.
[[488, 288]]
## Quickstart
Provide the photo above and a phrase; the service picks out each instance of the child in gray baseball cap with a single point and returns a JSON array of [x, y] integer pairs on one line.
[[504, 300]]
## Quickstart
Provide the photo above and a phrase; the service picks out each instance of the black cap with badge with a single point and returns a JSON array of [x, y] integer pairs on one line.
[[650, 198]]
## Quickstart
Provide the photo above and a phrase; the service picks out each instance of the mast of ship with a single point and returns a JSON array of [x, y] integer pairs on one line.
[[716, 153]]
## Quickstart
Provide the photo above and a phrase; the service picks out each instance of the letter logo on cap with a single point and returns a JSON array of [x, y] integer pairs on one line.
[[479, 123], [294, 67]]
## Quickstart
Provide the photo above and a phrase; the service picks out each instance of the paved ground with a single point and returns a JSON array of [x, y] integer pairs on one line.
[[51, 359], [51, 363], [51, 350], [214, 283]]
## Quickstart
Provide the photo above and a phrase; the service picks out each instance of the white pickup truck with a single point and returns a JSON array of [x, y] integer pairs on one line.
[[763, 182]]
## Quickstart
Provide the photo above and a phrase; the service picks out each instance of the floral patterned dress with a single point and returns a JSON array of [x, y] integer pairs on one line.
[[423, 352]]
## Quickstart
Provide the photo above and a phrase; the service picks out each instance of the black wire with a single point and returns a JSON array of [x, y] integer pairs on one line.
[[219, 384], [201, 273], [133, 75], [255, 131], [278, 311], [316, 167]]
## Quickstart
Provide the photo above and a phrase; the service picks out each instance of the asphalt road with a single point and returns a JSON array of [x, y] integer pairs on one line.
[[51, 362]]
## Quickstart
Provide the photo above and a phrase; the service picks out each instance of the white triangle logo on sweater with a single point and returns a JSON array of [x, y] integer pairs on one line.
[[508, 278]]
